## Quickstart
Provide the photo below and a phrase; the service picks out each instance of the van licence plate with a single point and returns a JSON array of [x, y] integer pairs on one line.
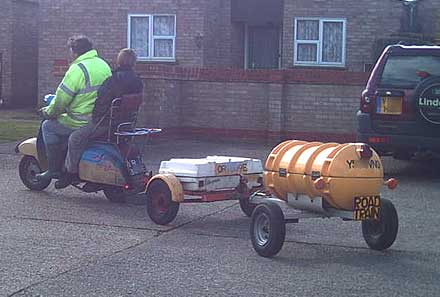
[[389, 105], [366, 207]]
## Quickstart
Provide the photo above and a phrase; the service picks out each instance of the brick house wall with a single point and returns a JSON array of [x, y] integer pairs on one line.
[[6, 21], [428, 16], [206, 35], [367, 21], [237, 46], [201, 94], [19, 49], [252, 104], [107, 26], [24, 56], [217, 34]]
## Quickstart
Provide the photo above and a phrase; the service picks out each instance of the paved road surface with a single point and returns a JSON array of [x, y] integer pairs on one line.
[[67, 243]]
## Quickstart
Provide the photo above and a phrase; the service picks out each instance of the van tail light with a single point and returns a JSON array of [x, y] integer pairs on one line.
[[365, 104], [423, 74], [379, 139]]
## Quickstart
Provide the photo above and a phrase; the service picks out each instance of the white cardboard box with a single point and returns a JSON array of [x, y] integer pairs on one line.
[[213, 173]]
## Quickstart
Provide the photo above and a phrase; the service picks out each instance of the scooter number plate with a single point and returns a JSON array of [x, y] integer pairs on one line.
[[135, 166]]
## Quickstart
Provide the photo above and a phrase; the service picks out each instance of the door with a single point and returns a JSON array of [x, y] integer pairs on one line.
[[264, 48]]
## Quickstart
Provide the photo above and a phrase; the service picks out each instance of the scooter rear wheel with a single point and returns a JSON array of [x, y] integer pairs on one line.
[[27, 170], [115, 194]]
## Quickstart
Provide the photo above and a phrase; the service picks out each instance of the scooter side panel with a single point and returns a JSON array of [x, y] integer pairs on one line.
[[102, 163]]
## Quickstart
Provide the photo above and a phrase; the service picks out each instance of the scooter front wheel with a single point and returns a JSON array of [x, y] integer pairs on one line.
[[27, 170]]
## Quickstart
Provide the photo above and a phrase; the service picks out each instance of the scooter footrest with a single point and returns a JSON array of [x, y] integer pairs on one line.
[[91, 187]]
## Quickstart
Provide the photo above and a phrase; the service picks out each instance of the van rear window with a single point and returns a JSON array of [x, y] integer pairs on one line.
[[401, 71]]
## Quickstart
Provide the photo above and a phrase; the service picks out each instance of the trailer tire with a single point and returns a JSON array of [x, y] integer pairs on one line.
[[246, 206], [268, 229], [380, 235], [160, 206]]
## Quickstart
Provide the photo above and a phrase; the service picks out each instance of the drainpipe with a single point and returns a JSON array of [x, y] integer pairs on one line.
[[412, 7]]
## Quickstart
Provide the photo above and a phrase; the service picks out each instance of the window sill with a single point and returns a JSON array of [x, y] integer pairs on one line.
[[322, 66], [157, 60]]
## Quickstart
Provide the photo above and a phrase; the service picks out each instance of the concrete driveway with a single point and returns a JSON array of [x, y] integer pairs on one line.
[[68, 243]]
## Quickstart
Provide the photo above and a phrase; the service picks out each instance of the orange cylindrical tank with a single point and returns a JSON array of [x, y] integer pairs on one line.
[[335, 172]]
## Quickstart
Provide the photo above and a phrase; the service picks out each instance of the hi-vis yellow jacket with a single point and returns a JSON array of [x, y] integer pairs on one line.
[[76, 94]]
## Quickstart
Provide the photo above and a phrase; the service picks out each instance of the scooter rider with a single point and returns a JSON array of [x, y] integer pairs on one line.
[[74, 101], [123, 81]]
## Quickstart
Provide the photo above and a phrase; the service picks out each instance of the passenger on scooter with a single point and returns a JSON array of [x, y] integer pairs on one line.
[[123, 81], [74, 101]]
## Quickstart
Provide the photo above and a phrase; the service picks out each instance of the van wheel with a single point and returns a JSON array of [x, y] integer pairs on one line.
[[160, 206], [115, 194], [27, 170], [268, 229], [381, 234]]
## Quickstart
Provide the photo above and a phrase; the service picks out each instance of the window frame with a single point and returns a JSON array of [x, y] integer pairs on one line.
[[319, 42], [152, 37]]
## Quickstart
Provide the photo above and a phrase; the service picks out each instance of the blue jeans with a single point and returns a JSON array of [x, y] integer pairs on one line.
[[55, 133], [78, 142]]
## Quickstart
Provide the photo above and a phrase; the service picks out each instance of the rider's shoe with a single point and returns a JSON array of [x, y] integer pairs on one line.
[[65, 180], [54, 162], [47, 175]]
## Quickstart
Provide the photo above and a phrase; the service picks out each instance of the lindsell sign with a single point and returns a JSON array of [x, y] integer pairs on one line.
[[429, 104]]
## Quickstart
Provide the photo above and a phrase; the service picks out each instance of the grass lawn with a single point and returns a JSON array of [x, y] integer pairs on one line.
[[18, 125]]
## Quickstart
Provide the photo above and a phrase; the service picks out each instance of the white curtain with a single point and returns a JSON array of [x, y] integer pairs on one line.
[[307, 30], [140, 35], [332, 42], [163, 48], [307, 52], [163, 26]]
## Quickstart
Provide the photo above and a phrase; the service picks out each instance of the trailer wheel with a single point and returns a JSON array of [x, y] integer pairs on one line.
[[160, 207], [381, 234], [27, 170], [246, 206], [268, 229]]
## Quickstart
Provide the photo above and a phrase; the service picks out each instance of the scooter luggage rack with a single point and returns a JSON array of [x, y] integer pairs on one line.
[[123, 116], [134, 132]]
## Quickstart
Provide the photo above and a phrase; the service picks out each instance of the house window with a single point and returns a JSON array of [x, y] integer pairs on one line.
[[319, 42], [153, 37]]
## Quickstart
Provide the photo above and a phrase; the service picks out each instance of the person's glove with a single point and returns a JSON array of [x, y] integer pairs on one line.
[[43, 113]]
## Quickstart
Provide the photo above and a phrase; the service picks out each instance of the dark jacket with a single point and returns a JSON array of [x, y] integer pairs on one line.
[[122, 82]]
